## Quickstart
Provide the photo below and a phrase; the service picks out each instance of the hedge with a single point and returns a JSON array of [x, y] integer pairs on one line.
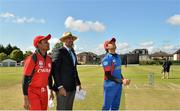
[[157, 62]]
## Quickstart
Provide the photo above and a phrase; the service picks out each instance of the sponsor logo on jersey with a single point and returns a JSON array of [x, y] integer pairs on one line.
[[47, 70]]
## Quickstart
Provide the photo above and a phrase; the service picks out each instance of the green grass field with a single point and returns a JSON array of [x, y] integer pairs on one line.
[[139, 95]]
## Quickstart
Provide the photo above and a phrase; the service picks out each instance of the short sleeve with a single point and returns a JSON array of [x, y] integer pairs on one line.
[[28, 66], [106, 64]]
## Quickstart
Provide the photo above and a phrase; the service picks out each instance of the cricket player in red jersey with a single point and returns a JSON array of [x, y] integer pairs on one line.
[[37, 69]]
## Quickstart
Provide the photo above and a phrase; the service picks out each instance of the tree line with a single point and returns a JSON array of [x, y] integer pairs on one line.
[[12, 52]]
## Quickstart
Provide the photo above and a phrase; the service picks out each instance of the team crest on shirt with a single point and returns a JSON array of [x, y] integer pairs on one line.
[[114, 60], [105, 63], [49, 65], [40, 64]]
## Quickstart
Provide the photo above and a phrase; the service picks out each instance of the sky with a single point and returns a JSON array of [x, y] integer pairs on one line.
[[136, 24]]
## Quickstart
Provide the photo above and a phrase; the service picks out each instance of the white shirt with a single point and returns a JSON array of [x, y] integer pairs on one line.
[[72, 54]]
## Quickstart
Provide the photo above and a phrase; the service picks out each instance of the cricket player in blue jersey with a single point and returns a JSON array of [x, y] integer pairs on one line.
[[113, 78]]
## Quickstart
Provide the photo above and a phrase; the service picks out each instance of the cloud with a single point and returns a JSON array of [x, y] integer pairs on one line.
[[174, 20], [7, 15], [10, 17], [83, 26], [123, 48], [166, 47], [78, 49], [100, 49], [52, 43], [30, 48], [169, 48], [23, 20], [148, 45]]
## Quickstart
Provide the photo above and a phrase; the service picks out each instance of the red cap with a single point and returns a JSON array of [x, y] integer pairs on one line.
[[39, 38], [108, 41]]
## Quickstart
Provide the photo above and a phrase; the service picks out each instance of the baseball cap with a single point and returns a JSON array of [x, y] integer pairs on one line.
[[108, 41], [38, 38]]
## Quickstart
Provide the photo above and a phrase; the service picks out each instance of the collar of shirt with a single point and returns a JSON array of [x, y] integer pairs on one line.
[[38, 51], [68, 49]]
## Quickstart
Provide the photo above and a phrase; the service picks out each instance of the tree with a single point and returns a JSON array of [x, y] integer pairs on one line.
[[27, 53], [57, 46], [8, 49], [14, 47], [16, 55], [3, 56], [2, 49]]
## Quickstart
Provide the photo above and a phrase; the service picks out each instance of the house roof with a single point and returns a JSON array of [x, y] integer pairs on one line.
[[160, 54], [177, 52], [8, 60], [86, 53], [139, 50]]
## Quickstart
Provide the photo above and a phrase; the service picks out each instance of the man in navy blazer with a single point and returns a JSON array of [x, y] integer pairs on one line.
[[64, 72]]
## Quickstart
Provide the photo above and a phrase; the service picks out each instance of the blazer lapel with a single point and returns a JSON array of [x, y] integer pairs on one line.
[[69, 56], [75, 57]]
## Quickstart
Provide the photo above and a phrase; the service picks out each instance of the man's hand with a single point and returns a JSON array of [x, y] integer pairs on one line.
[[126, 81], [51, 95], [62, 91], [79, 87], [26, 102]]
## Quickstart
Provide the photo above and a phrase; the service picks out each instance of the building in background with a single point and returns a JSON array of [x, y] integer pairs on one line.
[[176, 55], [161, 56], [8, 63], [88, 58], [143, 54]]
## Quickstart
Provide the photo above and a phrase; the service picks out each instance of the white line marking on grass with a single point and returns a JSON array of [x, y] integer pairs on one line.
[[128, 87], [135, 86], [175, 85], [171, 87]]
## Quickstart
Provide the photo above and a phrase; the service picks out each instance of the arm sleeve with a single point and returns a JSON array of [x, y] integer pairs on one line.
[[77, 78], [50, 81], [122, 77], [56, 62], [76, 73], [107, 68], [29, 65], [112, 78], [28, 70], [165, 64], [25, 84]]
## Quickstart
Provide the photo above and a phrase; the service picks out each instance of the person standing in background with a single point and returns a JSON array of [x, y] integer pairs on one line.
[[166, 68]]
